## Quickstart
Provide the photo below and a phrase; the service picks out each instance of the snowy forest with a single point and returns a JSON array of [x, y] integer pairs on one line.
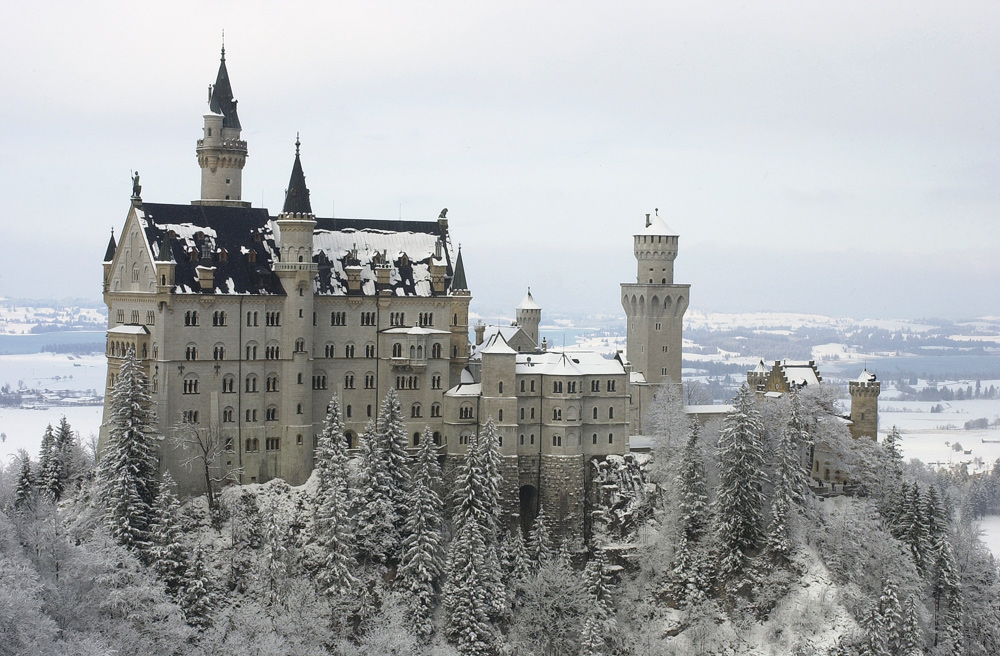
[[714, 543]]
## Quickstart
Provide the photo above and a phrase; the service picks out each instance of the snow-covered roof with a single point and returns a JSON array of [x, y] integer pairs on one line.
[[800, 373], [466, 378], [761, 368], [567, 363], [128, 329], [465, 389], [866, 377], [498, 345], [708, 409], [658, 227], [637, 377], [528, 302], [414, 330]]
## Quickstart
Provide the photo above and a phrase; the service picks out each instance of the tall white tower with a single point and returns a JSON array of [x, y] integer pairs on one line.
[[221, 153], [655, 306]]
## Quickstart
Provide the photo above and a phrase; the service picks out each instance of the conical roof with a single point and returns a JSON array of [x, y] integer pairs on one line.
[[112, 247], [528, 302], [222, 101], [297, 196], [458, 282]]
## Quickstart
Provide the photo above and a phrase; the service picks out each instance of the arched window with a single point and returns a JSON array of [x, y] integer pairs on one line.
[[271, 414], [227, 415], [499, 415], [437, 438], [436, 351], [300, 345], [500, 387], [557, 440], [251, 383], [190, 384], [521, 439], [416, 439], [415, 410], [595, 413], [595, 438], [522, 388], [413, 352], [397, 350], [611, 413], [611, 438], [271, 384], [522, 414], [435, 410], [191, 352], [219, 351], [228, 383], [349, 351]]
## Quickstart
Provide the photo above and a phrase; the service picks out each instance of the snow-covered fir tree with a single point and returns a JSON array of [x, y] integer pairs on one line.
[[168, 555], [275, 555], [25, 491], [912, 636], [892, 617], [539, 544], [196, 595], [946, 589], [515, 562], [127, 472], [600, 629], [790, 484], [873, 640], [392, 440], [376, 527], [739, 500], [333, 530], [912, 526], [485, 453], [689, 575], [55, 476], [422, 563]]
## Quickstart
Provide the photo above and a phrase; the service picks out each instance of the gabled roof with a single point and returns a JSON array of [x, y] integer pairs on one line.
[[240, 240], [497, 345], [222, 101], [297, 196], [414, 330]]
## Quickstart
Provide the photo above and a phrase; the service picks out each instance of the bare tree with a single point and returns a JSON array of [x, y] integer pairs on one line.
[[207, 449], [696, 393]]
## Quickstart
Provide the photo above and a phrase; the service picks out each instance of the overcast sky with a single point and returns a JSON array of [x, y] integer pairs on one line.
[[837, 158]]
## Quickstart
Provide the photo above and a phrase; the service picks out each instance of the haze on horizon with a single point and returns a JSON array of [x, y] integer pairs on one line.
[[831, 158]]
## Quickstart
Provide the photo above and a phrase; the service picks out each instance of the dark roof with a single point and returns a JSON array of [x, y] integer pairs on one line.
[[297, 196], [458, 282], [239, 238], [110, 253], [222, 101]]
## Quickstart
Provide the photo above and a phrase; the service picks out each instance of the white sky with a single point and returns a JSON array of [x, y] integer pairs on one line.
[[839, 158]]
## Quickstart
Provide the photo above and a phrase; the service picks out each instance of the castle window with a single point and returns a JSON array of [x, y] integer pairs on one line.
[[251, 416], [298, 409], [435, 410], [272, 352], [250, 384], [251, 351], [227, 415], [271, 414], [368, 412], [272, 444], [219, 352], [271, 384], [228, 383], [314, 318], [532, 438], [298, 438], [522, 439], [611, 413], [500, 387], [413, 351], [522, 392], [522, 415], [557, 440], [120, 316], [190, 385], [532, 413], [219, 318], [150, 317], [454, 351], [611, 386], [532, 386], [657, 325], [191, 318], [272, 319], [163, 279], [369, 350], [571, 387], [436, 351], [135, 273], [300, 345], [595, 438], [329, 350], [349, 351], [348, 412], [190, 417], [663, 371], [664, 349], [298, 378], [338, 318], [369, 381], [436, 381], [557, 387], [465, 412], [416, 439], [191, 352], [397, 350], [499, 415], [556, 414], [415, 410], [319, 381], [595, 413], [349, 381], [611, 438], [367, 318], [397, 318], [135, 316], [437, 437]]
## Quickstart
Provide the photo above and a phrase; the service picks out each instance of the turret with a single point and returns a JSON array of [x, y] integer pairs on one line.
[[864, 405], [528, 316], [109, 256], [221, 153]]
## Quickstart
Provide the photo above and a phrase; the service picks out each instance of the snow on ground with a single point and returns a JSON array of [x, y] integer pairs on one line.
[[54, 371], [990, 526], [24, 428], [931, 436]]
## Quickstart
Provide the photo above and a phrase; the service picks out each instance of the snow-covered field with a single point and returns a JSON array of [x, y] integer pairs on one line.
[[990, 526], [16, 319], [932, 436], [24, 428], [54, 371]]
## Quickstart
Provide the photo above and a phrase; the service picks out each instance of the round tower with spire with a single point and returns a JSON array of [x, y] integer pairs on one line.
[[528, 316], [221, 152]]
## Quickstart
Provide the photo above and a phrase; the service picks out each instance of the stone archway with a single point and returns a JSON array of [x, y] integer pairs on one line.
[[528, 506]]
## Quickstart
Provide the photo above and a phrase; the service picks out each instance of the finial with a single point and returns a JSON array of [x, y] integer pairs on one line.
[[112, 232], [223, 45], [657, 210], [297, 144]]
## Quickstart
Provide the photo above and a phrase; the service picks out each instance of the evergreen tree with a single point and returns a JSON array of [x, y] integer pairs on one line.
[[892, 617], [912, 526], [935, 518], [57, 469], [689, 575], [945, 589], [275, 556], [127, 472], [515, 562], [539, 544], [333, 527], [600, 627], [912, 639], [168, 556], [45, 453], [486, 457], [873, 643], [422, 563], [376, 534], [391, 435], [197, 599], [740, 501], [473, 594], [790, 483], [24, 495]]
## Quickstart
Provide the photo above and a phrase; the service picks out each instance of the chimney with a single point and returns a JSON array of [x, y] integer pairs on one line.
[[647, 220], [480, 329], [353, 272]]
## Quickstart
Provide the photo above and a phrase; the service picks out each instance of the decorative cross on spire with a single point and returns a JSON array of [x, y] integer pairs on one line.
[[223, 45], [297, 143]]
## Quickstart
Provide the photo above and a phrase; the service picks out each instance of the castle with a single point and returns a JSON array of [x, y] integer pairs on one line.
[[247, 324]]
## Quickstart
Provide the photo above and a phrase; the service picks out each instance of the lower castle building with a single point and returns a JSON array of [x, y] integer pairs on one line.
[[246, 324]]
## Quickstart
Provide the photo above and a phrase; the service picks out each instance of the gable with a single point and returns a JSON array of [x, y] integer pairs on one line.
[[132, 269]]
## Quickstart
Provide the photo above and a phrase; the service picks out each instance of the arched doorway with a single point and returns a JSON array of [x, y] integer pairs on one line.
[[529, 507], [351, 438]]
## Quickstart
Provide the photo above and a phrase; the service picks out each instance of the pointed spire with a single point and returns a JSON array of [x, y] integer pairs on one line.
[[222, 101], [458, 281], [297, 196], [112, 247]]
